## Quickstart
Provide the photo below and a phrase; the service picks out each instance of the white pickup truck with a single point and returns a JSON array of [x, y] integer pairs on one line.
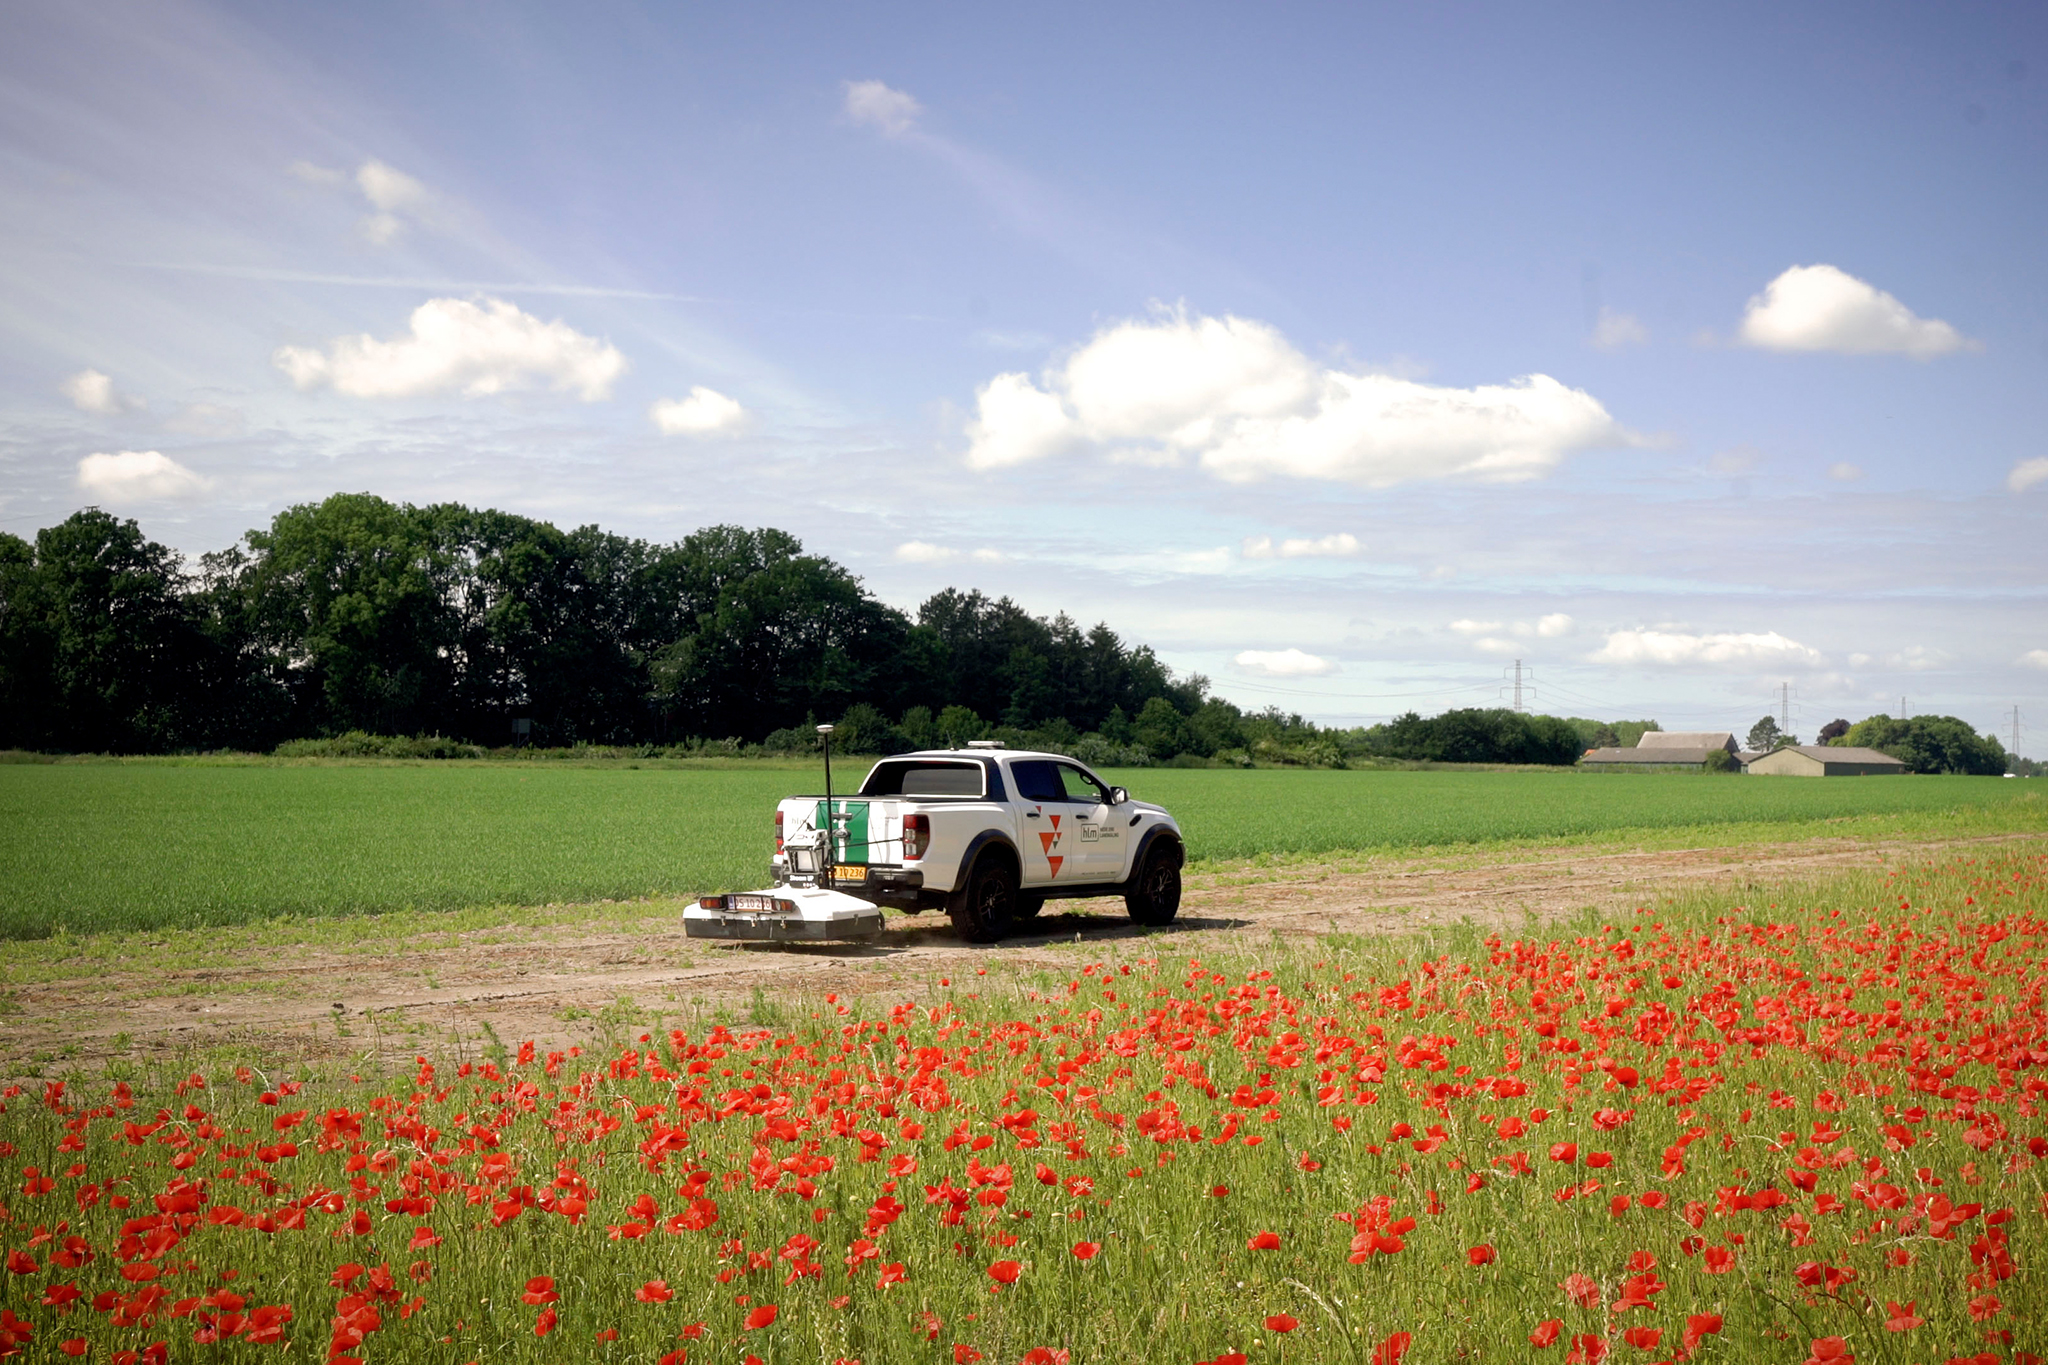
[[988, 834]]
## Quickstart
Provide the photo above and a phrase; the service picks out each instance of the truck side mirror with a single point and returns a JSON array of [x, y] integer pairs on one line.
[[1117, 796]]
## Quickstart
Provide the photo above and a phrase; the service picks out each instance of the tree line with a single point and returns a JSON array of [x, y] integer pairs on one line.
[[358, 614], [357, 617]]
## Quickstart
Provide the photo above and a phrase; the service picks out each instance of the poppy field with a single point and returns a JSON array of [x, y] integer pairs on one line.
[[1808, 1133]]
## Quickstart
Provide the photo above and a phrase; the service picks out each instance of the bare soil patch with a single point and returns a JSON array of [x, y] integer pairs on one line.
[[571, 983]]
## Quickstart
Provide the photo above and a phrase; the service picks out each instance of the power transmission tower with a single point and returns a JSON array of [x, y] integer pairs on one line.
[[1521, 676], [1784, 708], [2015, 730], [1902, 708]]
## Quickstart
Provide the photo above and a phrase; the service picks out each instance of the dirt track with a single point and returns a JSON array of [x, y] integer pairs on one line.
[[566, 984]]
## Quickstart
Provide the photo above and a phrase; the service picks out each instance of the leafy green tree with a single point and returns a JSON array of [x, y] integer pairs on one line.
[[100, 649], [865, 730], [1765, 736], [957, 725], [1163, 730], [1931, 744], [349, 595], [1832, 731], [1478, 735]]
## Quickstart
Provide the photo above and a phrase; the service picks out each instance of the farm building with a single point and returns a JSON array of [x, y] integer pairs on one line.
[[1664, 749], [1824, 760]]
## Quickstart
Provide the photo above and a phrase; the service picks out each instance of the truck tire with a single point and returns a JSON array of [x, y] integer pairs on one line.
[[983, 909], [1154, 895], [1026, 906]]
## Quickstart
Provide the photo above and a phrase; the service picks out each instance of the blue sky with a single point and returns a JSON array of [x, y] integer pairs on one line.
[[1345, 355]]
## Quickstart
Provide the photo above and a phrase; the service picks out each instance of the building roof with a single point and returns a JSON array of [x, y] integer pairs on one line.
[[1840, 753], [1645, 757], [1687, 739]]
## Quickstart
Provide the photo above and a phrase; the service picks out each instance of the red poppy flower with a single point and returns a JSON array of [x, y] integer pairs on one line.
[[1566, 1152], [1483, 1254], [1085, 1251], [963, 1354], [1901, 1319], [21, 1263], [1264, 1241], [675, 1357], [540, 1289], [1587, 1349], [1219, 1191], [1581, 1290], [1830, 1351], [761, 1317], [77, 1346], [422, 1239], [1005, 1272], [1643, 1338], [1282, 1322], [1547, 1332], [1700, 1325], [1045, 1355], [654, 1291], [1390, 1351], [892, 1273], [546, 1322]]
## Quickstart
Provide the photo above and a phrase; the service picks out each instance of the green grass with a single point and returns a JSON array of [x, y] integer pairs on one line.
[[97, 847], [1275, 812]]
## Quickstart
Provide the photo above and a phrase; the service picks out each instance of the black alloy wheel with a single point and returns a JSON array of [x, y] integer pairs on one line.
[[1154, 897]]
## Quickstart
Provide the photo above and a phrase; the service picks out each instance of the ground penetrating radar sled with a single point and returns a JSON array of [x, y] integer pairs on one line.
[[802, 907]]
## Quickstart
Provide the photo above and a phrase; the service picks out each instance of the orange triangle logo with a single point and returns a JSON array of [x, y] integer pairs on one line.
[[1046, 841], [1055, 822], [1054, 863]]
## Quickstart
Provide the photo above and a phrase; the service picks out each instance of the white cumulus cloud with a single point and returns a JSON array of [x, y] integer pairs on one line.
[[876, 105], [1469, 627], [2026, 474], [1820, 308], [1844, 472], [1341, 545], [394, 195], [2038, 658], [1238, 399], [1616, 331], [482, 347], [924, 552], [1285, 663], [91, 391], [1553, 625], [136, 475], [706, 412], [1725, 648]]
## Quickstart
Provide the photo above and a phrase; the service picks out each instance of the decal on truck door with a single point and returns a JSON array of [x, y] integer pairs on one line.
[[1050, 840]]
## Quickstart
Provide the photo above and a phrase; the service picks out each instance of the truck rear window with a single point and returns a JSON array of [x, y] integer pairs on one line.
[[921, 778]]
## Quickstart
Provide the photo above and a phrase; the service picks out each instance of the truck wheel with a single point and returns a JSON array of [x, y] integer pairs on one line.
[[1026, 906], [985, 906], [1154, 897]]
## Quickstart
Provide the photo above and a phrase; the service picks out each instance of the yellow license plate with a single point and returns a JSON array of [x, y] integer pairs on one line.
[[849, 874]]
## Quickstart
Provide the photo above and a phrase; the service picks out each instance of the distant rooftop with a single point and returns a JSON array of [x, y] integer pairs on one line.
[[1687, 739]]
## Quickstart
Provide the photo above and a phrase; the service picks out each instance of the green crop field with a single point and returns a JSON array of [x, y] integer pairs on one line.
[[95, 847]]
